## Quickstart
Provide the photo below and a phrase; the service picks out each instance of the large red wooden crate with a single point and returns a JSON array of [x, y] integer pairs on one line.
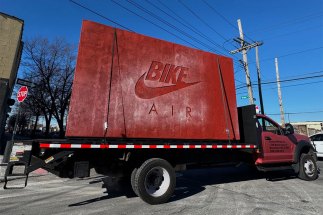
[[129, 85]]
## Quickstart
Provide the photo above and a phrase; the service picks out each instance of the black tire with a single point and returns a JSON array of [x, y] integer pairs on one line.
[[132, 180], [155, 181], [307, 168]]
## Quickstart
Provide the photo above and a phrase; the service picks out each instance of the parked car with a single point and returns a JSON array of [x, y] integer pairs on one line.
[[317, 140]]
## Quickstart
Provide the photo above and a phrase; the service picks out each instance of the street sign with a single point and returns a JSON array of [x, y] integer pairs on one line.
[[244, 97], [24, 82], [22, 93]]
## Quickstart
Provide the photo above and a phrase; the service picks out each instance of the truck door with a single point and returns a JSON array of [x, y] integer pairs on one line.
[[276, 146]]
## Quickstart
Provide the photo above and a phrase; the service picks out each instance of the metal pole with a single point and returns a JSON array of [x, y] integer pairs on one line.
[[280, 95], [245, 62], [16, 124], [259, 83]]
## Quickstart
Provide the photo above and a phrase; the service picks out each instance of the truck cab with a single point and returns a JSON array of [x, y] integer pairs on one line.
[[282, 147]]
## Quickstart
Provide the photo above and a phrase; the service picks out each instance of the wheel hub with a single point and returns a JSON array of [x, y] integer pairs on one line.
[[154, 180], [309, 168], [157, 181]]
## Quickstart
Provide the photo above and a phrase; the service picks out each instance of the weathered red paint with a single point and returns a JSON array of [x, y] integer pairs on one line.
[[158, 89]]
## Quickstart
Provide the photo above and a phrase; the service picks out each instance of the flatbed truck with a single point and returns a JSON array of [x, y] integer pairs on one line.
[[144, 108]]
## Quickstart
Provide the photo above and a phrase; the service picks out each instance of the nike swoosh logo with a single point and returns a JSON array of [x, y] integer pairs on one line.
[[145, 92]]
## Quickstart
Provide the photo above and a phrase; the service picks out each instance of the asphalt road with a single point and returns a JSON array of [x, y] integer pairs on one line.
[[204, 191]]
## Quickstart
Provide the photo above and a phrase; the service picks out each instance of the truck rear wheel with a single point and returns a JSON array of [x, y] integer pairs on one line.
[[132, 180], [155, 181], [307, 168]]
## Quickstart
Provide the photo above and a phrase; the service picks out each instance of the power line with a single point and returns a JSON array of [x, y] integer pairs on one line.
[[191, 27], [295, 113], [290, 22], [242, 83], [122, 26], [205, 23], [114, 22], [120, 5], [293, 85], [199, 18], [287, 80], [299, 52], [167, 23], [294, 79], [224, 18], [293, 32], [102, 16], [289, 54], [182, 21], [300, 75], [170, 25]]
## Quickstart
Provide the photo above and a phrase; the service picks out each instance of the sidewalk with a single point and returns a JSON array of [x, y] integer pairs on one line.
[[37, 172]]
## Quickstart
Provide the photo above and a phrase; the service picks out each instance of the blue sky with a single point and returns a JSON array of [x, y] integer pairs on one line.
[[291, 30]]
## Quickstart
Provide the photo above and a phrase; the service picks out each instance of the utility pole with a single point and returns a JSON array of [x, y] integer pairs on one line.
[[262, 109], [245, 46], [279, 95], [245, 63]]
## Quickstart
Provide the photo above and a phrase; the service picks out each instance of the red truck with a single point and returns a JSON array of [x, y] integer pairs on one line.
[[146, 108]]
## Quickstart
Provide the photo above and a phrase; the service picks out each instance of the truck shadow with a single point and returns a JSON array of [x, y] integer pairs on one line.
[[189, 182], [115, 187], [195, 181]]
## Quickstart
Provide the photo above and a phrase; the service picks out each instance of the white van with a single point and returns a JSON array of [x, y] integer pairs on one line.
[[317, 140]]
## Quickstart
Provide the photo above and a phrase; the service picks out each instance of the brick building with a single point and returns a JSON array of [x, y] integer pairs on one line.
[[11, 44]]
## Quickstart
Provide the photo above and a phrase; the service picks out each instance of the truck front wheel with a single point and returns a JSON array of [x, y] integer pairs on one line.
[[307, 168], [155, 181]]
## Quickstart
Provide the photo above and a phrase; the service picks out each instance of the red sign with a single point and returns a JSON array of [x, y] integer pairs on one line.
[[22, 93]]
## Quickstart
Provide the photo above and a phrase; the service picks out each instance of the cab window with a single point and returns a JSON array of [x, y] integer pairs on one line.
[[314, 138], [318, 137], [270, 127]]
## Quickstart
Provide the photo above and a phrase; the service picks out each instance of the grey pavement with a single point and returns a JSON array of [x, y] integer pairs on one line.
[[204, 191]]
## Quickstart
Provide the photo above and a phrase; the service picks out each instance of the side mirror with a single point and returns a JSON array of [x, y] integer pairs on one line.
[[289, 129]]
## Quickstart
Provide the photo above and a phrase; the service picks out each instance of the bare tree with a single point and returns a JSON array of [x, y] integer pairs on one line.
[[39, 104], [34, 107], [23, 121], [50, 65], [11, 122]]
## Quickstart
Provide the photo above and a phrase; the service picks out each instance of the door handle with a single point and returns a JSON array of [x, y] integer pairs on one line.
[[267, 138]]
